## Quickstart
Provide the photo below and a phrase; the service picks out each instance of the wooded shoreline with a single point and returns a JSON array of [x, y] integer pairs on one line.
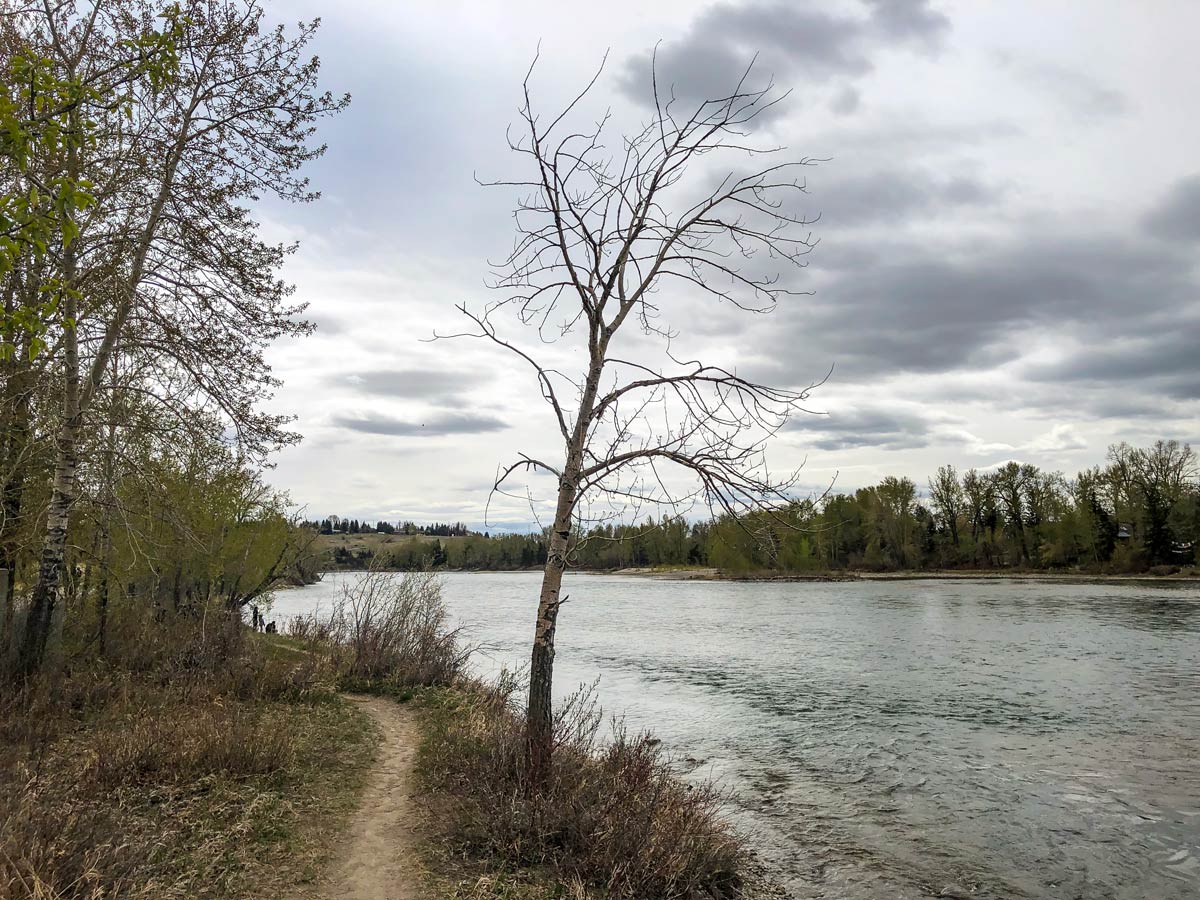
[[1185, 578], [702, 573]]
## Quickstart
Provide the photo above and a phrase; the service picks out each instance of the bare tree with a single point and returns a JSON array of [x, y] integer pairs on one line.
[[602, 238]]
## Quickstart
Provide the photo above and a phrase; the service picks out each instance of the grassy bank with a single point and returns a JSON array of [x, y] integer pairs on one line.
[[615, 821], [199, 759], [200, 773]]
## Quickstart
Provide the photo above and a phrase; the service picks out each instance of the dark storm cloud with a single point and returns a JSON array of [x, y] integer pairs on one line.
[[1162, 362], [441, 424], [797, 42], [863, 425], [1120, 404], [1177, 216], [919, 309], [425, 383], [891, 195]]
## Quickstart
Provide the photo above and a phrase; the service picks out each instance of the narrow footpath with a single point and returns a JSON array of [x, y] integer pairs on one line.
[[378, 860]]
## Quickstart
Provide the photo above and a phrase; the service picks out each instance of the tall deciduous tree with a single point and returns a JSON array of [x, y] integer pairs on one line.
[[1160, 477], [603, 236], [946, 493], [166, 265]]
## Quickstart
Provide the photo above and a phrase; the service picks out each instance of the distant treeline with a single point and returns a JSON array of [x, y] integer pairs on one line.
[[338, 525], [1139, 511]]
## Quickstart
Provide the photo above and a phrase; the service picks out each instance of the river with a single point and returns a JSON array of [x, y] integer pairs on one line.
[[908, 739]]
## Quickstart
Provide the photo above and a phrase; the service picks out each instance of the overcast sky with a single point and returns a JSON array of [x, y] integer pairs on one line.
[[1009, 233]]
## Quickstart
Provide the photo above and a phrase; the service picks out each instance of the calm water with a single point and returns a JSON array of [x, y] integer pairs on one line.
[[898, 740]]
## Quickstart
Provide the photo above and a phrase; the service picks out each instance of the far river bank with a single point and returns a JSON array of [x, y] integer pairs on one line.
[[1189, 577]]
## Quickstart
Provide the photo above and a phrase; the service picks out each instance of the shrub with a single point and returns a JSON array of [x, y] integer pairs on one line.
[[1163, 571], [389, 631], [614, 815]]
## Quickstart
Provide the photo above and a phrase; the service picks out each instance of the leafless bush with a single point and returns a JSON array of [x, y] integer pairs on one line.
[[312, 629], [188, 645], [389, 630], [613, 815]]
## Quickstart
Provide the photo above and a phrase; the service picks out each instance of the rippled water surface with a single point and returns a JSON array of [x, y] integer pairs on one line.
[[901, 739]]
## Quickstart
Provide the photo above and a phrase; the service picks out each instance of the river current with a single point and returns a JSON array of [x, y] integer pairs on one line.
[[905, 739]]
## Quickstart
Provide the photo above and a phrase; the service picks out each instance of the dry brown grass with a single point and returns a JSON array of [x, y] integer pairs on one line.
[[208, 763], [615, 821], [230, 740]]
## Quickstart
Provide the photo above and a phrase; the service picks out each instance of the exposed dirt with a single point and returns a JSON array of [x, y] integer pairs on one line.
[[378, 858]]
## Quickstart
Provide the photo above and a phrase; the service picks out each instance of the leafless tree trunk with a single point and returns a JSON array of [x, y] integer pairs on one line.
[[597, 239]]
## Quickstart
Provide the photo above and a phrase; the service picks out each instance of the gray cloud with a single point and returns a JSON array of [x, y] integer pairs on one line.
[[440, 424], [921, 309], [1083, 95], [891, 195], [906, 137], [426, 383], [327, 325], [1177, 216], [865, 425], [795, 42], [846, 102], [1163, 363], [908, 20]]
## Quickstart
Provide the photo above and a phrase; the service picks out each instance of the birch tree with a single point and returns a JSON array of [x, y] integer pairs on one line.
[[167, 262], [602, 236]]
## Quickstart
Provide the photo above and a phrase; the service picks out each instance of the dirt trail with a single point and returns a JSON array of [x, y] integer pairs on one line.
[[378, 860]]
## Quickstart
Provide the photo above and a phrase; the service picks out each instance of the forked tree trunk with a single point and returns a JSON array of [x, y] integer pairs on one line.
[[47, 593], [78, 395]]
